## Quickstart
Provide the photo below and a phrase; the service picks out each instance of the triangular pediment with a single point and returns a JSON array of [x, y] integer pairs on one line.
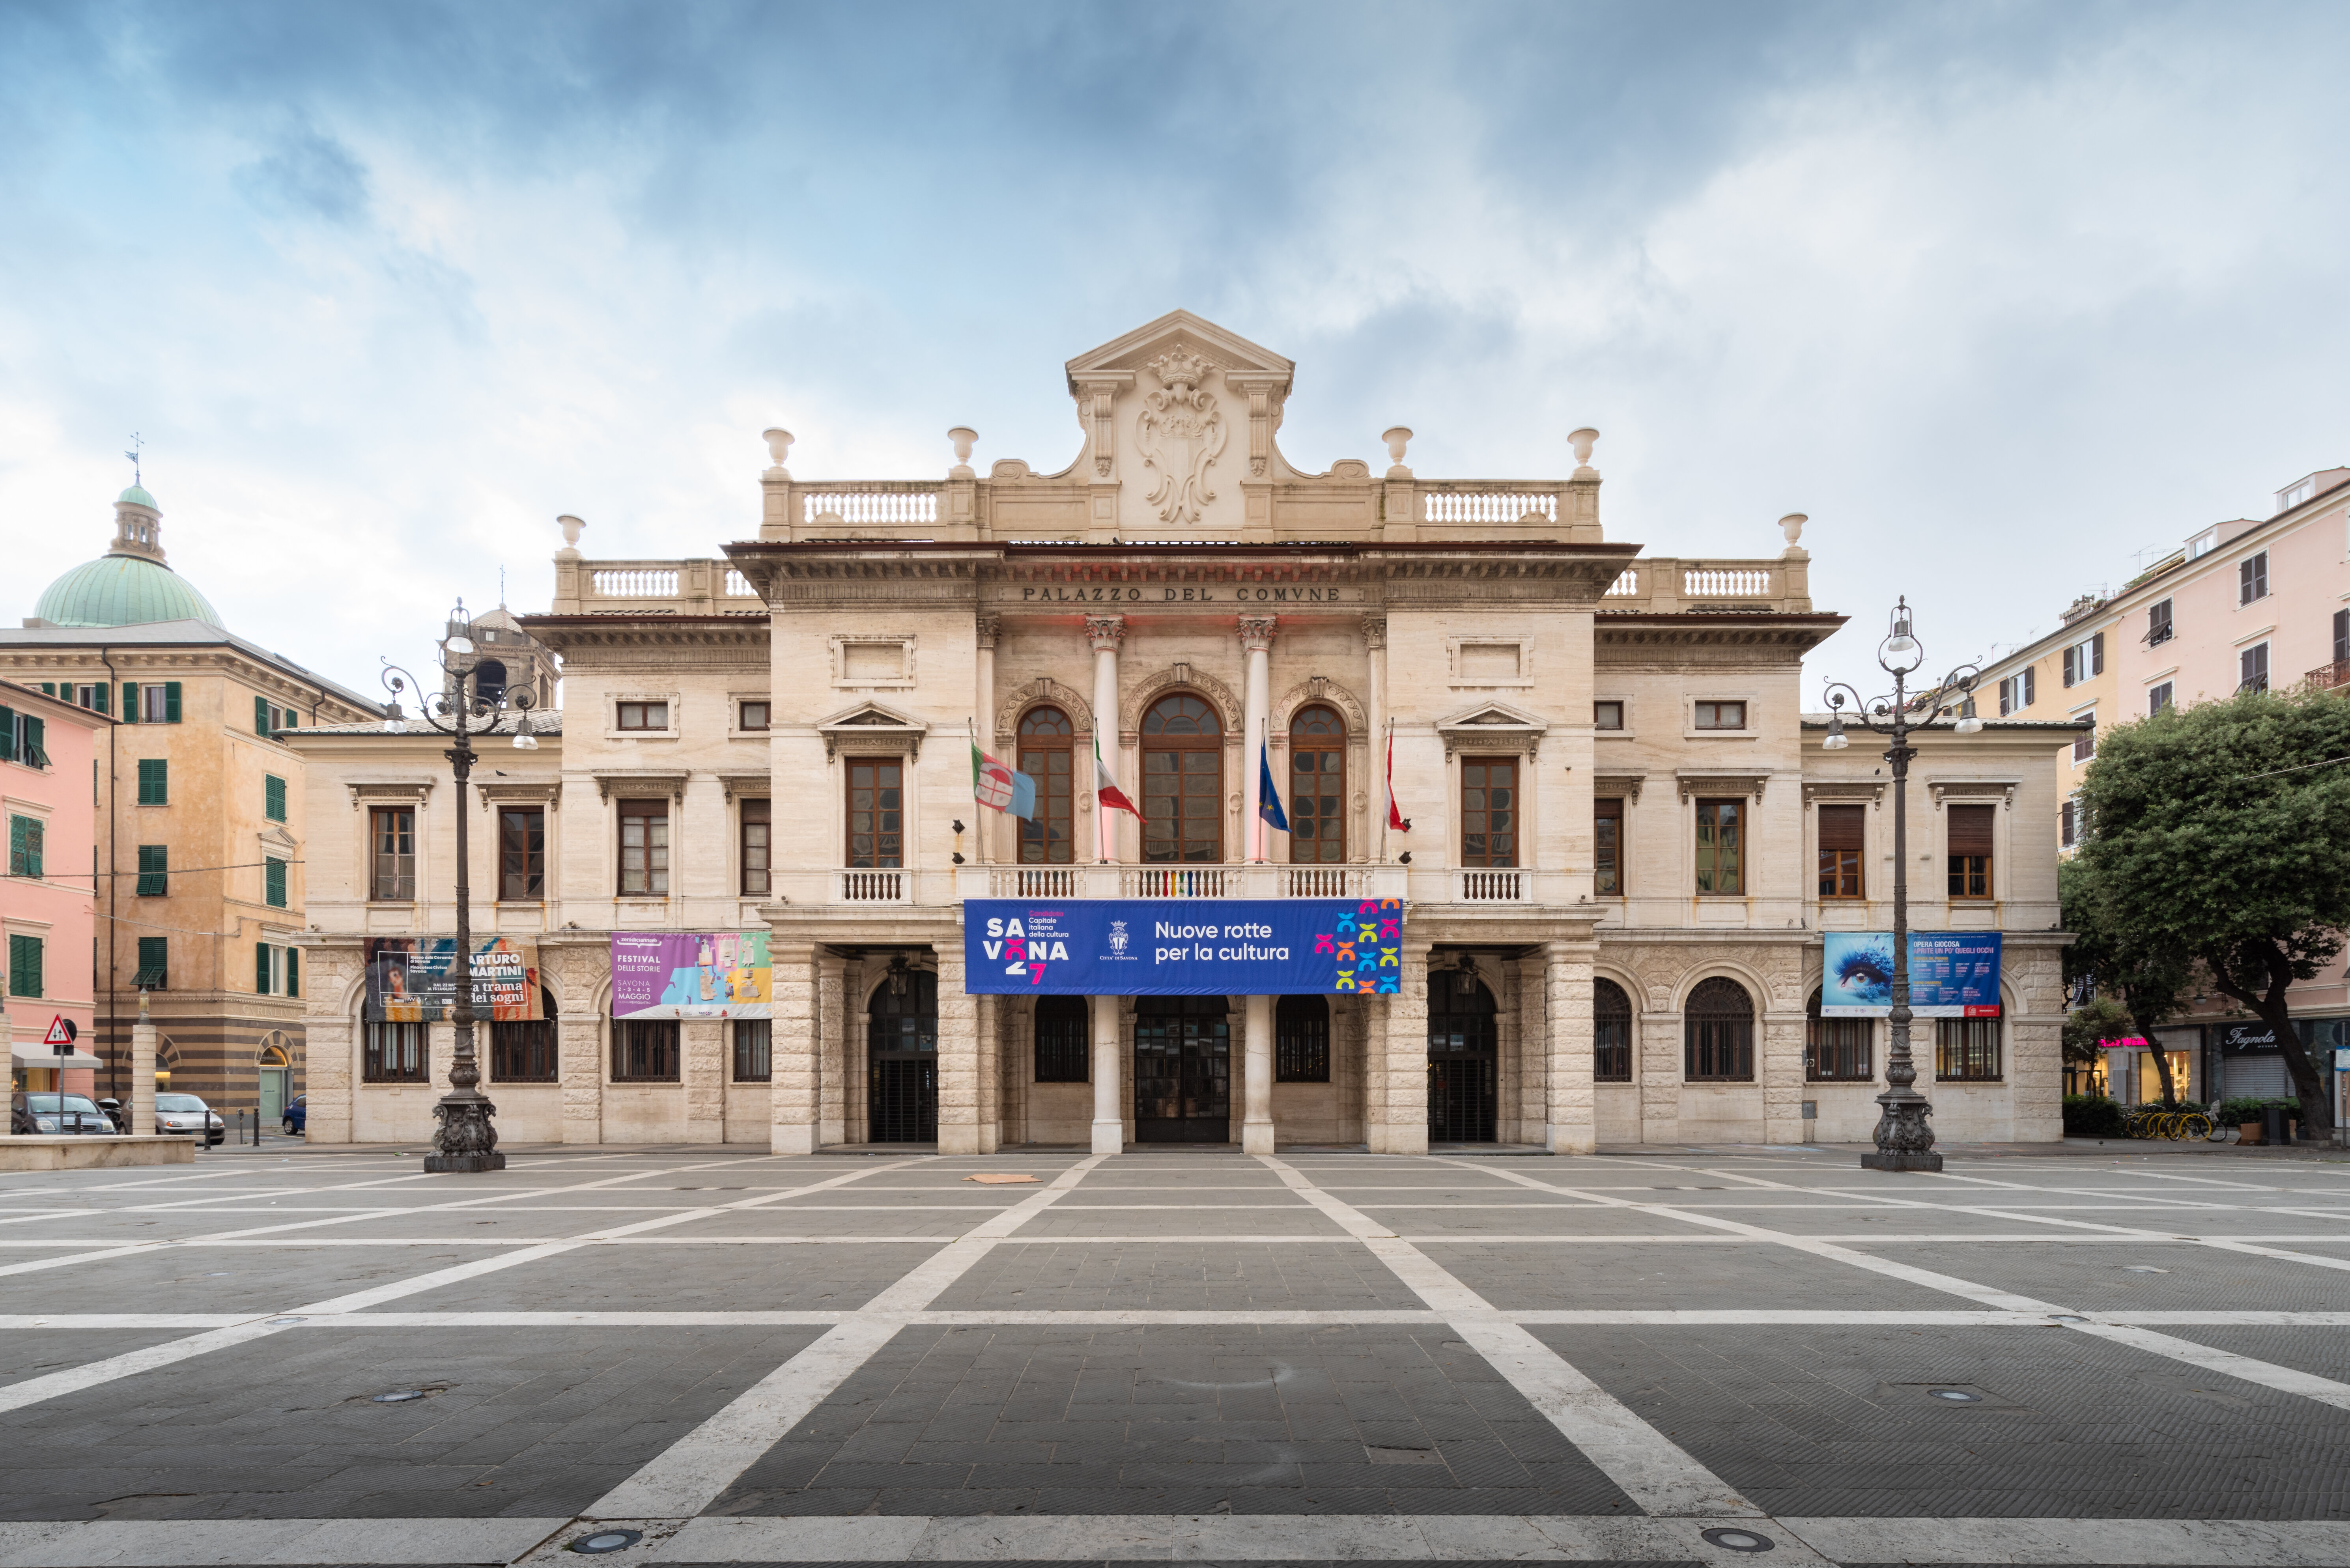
[[1494, 715], [1179, 329], [872, 716]]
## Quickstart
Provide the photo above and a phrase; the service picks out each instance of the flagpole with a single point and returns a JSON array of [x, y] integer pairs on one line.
[[1386, 786]]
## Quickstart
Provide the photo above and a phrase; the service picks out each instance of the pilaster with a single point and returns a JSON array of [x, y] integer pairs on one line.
[[959, 1065], [832, 1050], [1403, 1126], [792, 1050], [701, 1072], [1567, 976], [1781, 1067]]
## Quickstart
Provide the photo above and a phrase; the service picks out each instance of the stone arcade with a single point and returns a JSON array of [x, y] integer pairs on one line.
[[1625, 841]]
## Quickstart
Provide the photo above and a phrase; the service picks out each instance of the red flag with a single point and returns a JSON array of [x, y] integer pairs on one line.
[[1394, 813], [1106, 790]]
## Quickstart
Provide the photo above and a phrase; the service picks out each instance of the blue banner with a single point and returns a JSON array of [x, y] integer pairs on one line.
[[1952, 975], [1182, 947]]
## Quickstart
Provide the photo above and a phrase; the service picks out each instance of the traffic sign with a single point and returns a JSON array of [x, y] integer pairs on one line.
[[61, 1034]]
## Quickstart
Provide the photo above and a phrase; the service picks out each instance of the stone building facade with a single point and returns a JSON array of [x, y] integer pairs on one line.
[[1611, 881]]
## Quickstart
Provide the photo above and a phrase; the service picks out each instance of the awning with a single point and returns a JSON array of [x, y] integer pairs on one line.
[[41, 1055]]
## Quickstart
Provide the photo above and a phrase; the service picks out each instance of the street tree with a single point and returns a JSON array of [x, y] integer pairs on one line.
[[2220, 835], [2140, 985]]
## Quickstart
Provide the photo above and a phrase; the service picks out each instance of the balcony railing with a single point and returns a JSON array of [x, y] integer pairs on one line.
[[1662, 584], [873, 500], [2326, 677], [1456, 502], [1268, 881], [870, 886]]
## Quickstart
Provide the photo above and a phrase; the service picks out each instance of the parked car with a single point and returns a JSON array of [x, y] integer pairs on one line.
[[116, 1113], [55, 1113], [189, 1114], [297, 1117]]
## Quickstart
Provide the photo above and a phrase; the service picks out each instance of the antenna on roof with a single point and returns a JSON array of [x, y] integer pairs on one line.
[[137, 442], [502, 587]]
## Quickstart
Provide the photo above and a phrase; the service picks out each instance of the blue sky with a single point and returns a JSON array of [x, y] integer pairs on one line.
[[2000, 295]]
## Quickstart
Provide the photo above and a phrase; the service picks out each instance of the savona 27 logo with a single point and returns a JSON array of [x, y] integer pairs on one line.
[[1008, 942]]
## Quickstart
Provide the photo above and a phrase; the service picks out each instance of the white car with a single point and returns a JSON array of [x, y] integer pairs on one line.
[[188, 1114]]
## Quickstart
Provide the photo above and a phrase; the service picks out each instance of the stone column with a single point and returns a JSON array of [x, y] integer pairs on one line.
[[1534, 1064], [1779, 1064], [1105, 632], [1109, 1124], [1256, 634], [983, 696], [141, 1117], [1567, 970], [959, 1079], [1256, 1089], [701, 1072], [832, 1050], [579, 1046], [792, 1050], [1402, 1126]]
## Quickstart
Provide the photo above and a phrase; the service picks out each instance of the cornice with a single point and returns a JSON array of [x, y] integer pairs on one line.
[[139, 660]]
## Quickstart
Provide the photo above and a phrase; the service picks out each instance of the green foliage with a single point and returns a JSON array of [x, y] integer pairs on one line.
[[2248, 1108], [2095, 1116], [2150, 1106], [2102, 1019]]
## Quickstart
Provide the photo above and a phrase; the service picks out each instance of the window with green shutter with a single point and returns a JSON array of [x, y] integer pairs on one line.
[[154, 780], [24, 966], [292, 972], [8, 734], [154, 871], [33, 742], [25, 846], [261, 715], [154, 964], [130, 702], [273, 797], [170, 701], [273, 883], [260, 969]]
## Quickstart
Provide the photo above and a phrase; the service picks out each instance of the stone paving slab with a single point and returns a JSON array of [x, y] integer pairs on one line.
[[1033, 1275], [2195, 1277], [196, 1280], [622, 1278], [1631, 1274]]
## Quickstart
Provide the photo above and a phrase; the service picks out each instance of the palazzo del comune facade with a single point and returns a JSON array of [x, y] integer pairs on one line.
[[1626, 841]]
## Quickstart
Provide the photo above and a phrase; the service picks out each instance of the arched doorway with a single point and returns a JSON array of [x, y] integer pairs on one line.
[[1182, 1070], [275, 1066], [1182, 782], [1318, 786], [1464, 1046], [1047, 739], [901, 1056]]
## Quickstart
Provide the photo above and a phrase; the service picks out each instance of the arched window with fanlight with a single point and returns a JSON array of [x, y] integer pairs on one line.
[[1047, 742], [1318, 786], [1182, 782], [1718, 1033], [1611, 1032]]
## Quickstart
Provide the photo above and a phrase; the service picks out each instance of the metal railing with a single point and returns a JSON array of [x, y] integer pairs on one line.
[[2326, 677]]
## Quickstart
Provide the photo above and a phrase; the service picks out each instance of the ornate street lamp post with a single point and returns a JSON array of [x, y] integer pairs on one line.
[[463, 708], [1904, 1140]]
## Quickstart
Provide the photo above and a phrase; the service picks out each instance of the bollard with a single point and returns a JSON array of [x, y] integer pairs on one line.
[[2272, 1124]]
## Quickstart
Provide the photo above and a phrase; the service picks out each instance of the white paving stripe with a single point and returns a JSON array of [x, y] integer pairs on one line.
[[175, 1543], [1648, 1466], [74, 1379], [687, 1476], [2155, 1542]]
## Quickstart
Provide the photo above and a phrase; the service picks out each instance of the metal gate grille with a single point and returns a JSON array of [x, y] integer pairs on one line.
[[1182, 1070], [904, 1103], [1460, 1099]]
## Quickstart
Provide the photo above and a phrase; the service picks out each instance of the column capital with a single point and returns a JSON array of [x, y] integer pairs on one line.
[[1257, 632], [1374, 632], [989, 628], [1105, 632]]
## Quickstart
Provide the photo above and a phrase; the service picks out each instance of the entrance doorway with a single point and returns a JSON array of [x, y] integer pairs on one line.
[[1463, 1062], [275, 1067], [1182, 1070], [902, 1054]]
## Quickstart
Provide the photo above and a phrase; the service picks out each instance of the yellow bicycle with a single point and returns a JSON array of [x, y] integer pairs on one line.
[[2172, 1126]]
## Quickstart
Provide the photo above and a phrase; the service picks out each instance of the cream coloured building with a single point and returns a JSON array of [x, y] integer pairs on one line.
[[1612, 888]]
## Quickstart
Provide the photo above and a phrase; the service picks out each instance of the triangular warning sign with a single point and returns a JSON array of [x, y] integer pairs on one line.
[[61, 1032]]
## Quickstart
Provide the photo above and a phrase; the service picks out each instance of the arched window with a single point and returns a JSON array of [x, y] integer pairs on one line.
[[1611, 1033], [1182, 782], [1718, 1033], [1064, 1033], [1301, 1040], [489, 680], [1047, 737], [901, 1049], [1318, 786], [1835, 1050], [522, 1050]]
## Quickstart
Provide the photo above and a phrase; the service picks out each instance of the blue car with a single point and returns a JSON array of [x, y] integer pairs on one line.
[[297, 1117]]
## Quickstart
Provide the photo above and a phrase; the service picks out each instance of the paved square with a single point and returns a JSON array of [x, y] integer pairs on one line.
[[1317, 1357]]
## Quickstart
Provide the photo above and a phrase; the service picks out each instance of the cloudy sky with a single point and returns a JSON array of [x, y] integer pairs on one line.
[[2000, 295]]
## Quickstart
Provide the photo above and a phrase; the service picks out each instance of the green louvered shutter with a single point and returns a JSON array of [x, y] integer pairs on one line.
[[154, 780], [8, 734], [36, 741], [32, 837], [273, 797], [154, 871], [49, 688], [260, 969], [170, 701], [17, 834], [273, 879], [131, 702], [261, 715], [292, 972], [104, 694]]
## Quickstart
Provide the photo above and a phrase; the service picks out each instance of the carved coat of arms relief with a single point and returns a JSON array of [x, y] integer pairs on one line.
[[1180, 433]]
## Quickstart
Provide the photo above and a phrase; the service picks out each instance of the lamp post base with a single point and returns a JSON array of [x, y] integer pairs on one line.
[[469, 1163], [1901, 1159], [467, 1141]]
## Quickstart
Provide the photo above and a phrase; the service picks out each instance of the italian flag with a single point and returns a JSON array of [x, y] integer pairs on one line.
[[1106, 794]]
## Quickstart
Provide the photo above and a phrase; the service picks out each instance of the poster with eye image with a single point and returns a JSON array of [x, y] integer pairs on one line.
[[410, 980], [1952, 975]]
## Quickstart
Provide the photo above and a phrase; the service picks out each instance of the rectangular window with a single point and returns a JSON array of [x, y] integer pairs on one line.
[[24, 840], [1965, 1050], [261, 714], [1969, 831], [1611, 1044], [2252, 668], [753, 716], [1301, 1040], [1722, 715], [273, 882], [522, 853], [1608, 847], [2158, 624], [154, 780], [1063, 1034], [522, 1052], [24, 966], [644, 1051], [154, 972], [1607, 715], [1720, 847], [1844, 834], [393, 1053], [2069, 824], [392, 830], [2084, 744], [641, 716], [154, 871], [2160, 698], [753, 1061], [277, 970], [24, 739], [273, 797], [758, 842], [92, 697], [877, 813], [1836, 1050], [2253, 578], [1488, 811], [160, 705], [644, 848]]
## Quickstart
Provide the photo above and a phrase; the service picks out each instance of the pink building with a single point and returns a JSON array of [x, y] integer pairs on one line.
[[49, 783]]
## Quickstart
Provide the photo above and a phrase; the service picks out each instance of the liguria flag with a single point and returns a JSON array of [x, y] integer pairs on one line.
[[1106, 790], [1000, 788]]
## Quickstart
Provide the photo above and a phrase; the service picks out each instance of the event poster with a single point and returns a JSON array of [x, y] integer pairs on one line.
[[1952, 975], [410, 980], [691, 974], [1175, 947]]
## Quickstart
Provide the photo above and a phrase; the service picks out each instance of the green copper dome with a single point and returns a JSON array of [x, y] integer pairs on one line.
[[136, 497], [122, 590]]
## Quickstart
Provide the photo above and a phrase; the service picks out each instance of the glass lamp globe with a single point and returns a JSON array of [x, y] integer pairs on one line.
[[1836, 742]]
